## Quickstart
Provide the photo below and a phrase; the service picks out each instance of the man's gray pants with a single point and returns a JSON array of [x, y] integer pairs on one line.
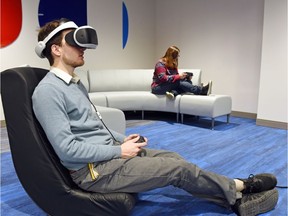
[[157, 169]]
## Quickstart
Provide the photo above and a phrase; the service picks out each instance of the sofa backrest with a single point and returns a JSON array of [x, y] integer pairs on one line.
[[83, 74], [120, 80], [101, 80]]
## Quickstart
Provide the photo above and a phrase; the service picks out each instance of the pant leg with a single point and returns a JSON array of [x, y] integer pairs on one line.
[[158, 169], [163, 88], [187, 86]]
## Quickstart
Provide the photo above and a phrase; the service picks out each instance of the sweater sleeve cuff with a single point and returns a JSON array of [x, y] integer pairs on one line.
[[176, 77], [118, 151]]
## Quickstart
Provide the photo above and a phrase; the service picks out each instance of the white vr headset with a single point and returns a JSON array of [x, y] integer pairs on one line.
[[84, 37]]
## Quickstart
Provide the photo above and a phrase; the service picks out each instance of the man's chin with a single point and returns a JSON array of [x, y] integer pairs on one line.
[[79, 64]]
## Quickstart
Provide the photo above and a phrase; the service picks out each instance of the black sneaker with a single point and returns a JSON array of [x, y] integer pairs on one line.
[[207, 89], [257, 203], [204, 90], [258, 183]]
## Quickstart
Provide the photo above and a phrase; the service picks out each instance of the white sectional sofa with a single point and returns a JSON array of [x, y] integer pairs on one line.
[[129, 90]]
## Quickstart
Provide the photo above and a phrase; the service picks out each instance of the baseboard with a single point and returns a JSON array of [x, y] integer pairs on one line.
[[273, 124], [244, 114], [260, 122], [3, 123]]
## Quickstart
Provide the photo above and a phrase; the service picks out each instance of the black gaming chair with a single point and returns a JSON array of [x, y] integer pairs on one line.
[[39, 170]]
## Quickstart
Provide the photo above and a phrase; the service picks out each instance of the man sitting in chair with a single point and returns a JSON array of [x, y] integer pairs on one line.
[[102, 160]]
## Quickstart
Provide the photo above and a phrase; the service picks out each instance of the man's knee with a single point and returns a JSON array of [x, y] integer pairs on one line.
[[170, 154]]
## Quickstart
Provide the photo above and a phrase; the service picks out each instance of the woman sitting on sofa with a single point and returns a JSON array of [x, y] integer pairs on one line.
[[167, 80]]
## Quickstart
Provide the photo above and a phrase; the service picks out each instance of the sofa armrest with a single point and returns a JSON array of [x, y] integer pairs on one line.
[[113, 118]]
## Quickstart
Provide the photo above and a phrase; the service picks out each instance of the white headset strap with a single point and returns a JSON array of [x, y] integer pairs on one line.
[[63, 26]]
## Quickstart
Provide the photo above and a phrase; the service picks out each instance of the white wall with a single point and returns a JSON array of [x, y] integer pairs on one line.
[[106, 17], [223, 37], [273, 101]]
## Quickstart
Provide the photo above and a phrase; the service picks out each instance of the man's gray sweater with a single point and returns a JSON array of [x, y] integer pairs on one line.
[[71, 125]]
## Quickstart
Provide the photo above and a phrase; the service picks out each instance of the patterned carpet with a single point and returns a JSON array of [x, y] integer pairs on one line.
[[234, 150]]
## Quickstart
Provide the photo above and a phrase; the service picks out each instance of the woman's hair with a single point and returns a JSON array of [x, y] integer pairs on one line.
[[44, 31], [171, 57]]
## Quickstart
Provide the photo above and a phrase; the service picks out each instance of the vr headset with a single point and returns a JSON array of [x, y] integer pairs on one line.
[[83, 37]]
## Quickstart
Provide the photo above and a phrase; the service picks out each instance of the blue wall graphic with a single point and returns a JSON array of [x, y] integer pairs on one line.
[[125, 25], [75, 10]]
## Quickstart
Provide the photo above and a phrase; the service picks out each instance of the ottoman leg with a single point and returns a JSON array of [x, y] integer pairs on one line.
[[212, 123], [228, 118]]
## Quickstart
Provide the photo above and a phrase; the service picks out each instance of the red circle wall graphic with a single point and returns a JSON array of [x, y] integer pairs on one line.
[[11, 21], [11, 17]]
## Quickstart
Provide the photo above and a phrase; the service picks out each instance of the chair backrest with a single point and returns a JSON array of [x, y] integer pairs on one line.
[[34, 158], [38, 168]]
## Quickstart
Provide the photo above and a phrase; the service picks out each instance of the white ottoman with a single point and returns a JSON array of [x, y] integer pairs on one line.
[[206, 106]]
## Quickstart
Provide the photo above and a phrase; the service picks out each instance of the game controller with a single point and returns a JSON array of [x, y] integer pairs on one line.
[[140, 140], [188, 75], [142, 152]]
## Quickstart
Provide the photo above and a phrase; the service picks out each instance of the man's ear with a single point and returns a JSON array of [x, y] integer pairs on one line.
[[55, 49]]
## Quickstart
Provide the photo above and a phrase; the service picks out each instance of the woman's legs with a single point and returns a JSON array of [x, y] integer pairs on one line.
[[187, 86], [177, 87], [166, 87]]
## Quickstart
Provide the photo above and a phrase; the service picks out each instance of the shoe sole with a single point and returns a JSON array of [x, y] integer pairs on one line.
[[210, 88], [170, 95], [260, 205]]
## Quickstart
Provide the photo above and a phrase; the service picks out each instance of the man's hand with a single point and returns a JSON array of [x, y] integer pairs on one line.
[[131, 136], [130, 148], [186, 75]]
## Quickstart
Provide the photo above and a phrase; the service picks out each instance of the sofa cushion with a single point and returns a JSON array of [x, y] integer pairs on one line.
[[126, 100], [137, 100], [161, 103]]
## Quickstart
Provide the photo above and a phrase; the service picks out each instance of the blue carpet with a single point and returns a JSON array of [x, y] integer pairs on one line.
[[235, 150]]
